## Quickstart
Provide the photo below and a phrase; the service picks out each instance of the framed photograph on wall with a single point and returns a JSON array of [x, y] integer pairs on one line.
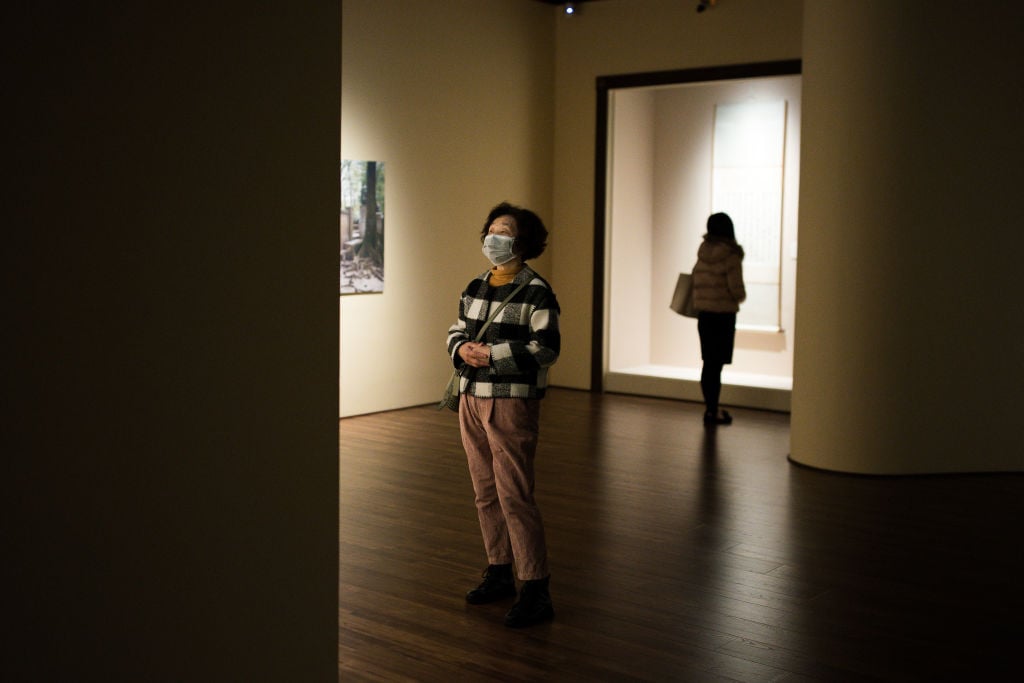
[[362, 227]]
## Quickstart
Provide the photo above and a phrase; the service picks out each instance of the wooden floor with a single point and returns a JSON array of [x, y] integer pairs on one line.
[[677, 554]]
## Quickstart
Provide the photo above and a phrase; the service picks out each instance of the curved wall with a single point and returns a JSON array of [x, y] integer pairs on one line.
[[907, 350]]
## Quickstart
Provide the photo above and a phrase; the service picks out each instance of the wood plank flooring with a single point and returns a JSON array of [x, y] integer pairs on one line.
[[677, 554]]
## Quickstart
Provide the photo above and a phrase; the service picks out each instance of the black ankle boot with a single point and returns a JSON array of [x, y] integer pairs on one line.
[[534, 605], [498, 584]]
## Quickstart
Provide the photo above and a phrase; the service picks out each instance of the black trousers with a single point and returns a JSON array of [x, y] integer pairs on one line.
[[717, 338]]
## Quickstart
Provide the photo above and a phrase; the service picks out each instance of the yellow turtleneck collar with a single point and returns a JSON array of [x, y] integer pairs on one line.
[[499, 278]]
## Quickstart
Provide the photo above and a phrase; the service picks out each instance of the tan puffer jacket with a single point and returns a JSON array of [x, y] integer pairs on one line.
[[718, 277]]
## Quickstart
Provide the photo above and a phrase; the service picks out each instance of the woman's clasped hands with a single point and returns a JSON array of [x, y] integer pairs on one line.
[[475, 354]]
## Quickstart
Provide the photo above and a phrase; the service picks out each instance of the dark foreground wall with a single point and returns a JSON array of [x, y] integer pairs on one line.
[[170, 335]]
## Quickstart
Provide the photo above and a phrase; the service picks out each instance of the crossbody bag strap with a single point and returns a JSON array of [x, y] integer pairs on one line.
[[494, 314]]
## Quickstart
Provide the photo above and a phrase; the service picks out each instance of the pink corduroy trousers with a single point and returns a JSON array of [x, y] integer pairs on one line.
[[500, 438]]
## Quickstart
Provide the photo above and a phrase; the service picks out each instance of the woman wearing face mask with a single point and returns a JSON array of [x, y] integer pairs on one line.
[[504, 377]]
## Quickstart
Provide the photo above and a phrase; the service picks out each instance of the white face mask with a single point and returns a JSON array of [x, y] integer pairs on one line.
[[498, 249]]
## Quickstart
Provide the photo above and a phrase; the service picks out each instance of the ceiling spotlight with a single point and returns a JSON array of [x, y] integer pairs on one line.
[[569, 9]]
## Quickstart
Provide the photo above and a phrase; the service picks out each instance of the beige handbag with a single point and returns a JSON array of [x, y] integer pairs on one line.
[[682, 298]]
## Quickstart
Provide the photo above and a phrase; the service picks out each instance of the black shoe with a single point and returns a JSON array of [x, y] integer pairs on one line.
[[711, 419], [534, 605], [498, 584]]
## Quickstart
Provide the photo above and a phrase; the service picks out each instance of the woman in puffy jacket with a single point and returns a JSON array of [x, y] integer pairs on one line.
[[717, 293]]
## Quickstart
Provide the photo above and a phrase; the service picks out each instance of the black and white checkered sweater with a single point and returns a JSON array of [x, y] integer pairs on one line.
[[524, 338]]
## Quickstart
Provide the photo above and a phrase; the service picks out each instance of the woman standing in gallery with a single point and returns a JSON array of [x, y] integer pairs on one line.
[[504, 378], [718, 291]]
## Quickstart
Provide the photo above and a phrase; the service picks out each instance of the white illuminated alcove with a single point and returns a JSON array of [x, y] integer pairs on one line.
[[675, 154]]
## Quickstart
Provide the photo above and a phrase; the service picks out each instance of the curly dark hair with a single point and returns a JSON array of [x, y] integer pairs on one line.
[[532, 236]]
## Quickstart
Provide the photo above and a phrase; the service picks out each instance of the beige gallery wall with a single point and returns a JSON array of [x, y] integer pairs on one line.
[[454, 97], [469, 102], [615, 37], [474, 101]]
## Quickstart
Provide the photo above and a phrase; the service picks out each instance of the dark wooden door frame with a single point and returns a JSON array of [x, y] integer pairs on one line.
[[605, 84]]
